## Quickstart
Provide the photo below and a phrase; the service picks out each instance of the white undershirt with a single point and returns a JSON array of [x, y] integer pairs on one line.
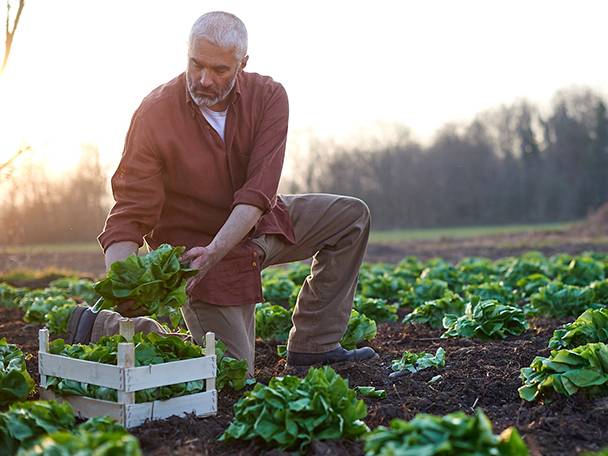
[[216, 119]]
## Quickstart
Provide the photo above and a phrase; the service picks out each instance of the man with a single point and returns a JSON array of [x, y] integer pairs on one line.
[[200, 168]]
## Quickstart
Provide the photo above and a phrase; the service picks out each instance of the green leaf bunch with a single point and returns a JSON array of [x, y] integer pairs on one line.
[[24, 422], [15, 381], [529, 285], [487, 320], [277, 289], [231, 372], [415, 362], [383, 286], [74, 287], [497, 291], [291, 412], [439, 269], [511, 270], [32, 296], [432, 312], [377, 309], [156, 282], [560, 300], [370, 391], [272, 322], [359, 328], [453, 434], [590, 326], [10, 295], [57, 319], [567, 371], [85, 443], [581, 271], [298, 272], [40, 308], [424, 290]]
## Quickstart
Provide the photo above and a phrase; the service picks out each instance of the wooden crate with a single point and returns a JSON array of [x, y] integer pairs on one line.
[[126, 379]]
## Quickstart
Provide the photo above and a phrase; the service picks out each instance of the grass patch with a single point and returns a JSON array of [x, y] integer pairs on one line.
[[391, 236], [67, 247], [37, 278]]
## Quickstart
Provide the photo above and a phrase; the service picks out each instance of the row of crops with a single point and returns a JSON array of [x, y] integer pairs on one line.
[[476, 297]]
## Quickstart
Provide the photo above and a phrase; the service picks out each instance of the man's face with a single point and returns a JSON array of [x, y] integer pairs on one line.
[[211, 73]]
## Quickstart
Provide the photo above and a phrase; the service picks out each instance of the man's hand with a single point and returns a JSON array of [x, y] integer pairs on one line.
[[201, 258], [130, 310]]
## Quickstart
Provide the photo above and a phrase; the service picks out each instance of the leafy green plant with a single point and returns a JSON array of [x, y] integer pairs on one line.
[[590, 326], [15, 381], [10, 296], [58, 317], [30, 297], [298, 272], [82, 442], [24, 422], [40, 308], [272, 323], [230, 371], [359, 328], [156, 282], [581, 271], [382, 286], [439, 269], [567, 371], [432, 312], [414, 362], [370, 391], [453, 434], [75, 287], [291, 412], [424, 290], [529, 285], [560, 300], [376, 309], [277, 289], [491, 290], [486, 319]]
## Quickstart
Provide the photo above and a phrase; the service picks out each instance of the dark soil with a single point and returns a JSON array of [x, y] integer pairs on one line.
[[478, 373]]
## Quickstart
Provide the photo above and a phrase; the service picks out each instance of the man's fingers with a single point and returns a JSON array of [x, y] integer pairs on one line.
[[191, 254]]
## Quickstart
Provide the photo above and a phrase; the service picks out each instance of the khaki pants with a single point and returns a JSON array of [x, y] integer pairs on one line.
[[331, 229]]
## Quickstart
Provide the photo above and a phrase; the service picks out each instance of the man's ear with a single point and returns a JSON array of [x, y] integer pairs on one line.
[[244, 62]]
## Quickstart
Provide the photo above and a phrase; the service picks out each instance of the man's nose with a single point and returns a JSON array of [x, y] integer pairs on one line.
[[205, 79]]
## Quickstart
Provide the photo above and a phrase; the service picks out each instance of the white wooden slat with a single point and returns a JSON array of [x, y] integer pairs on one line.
[[202, 404], [126, 329], [210, 351], [43, 347], [87, 407], [81, 371], [126, 359], [138, 378]]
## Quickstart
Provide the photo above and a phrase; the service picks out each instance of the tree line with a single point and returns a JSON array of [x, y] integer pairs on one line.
[[513, 164]]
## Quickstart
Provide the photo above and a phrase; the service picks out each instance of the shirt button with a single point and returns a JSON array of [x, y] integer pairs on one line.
[[254, 264]]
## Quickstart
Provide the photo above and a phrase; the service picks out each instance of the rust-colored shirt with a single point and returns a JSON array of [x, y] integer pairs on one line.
[[177, 181]]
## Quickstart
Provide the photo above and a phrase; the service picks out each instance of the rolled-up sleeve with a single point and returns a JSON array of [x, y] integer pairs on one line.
[[137, 186], [267, 155]]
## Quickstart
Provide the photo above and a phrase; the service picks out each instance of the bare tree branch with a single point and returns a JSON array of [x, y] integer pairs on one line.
[[10, 33], [14, 157]]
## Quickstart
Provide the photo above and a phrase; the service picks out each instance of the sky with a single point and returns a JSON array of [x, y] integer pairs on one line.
[[79, 68]]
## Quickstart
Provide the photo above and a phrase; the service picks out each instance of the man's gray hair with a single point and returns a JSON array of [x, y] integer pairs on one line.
[[221, 29]]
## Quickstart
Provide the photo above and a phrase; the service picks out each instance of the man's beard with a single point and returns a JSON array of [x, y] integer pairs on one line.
[[203, 101]]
